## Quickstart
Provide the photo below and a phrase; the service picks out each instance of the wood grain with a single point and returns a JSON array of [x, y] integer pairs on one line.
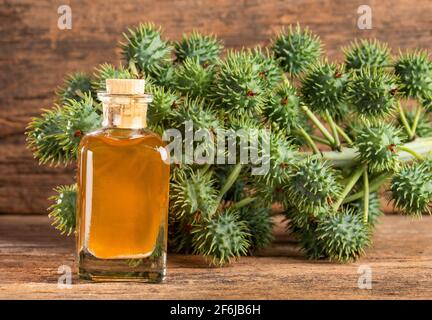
[[35, 55], [400, 260]]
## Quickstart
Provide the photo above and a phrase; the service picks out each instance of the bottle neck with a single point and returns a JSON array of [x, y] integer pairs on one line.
[[124, 117], [126, 112]]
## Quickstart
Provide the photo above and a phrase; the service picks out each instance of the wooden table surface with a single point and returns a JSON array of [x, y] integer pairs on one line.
[[400, 260]]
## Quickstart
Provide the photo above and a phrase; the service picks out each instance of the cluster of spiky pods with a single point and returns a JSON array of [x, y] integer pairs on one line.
[[339, 131]]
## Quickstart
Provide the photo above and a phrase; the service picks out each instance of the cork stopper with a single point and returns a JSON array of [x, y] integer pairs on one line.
[[124, 103], [125, 86]]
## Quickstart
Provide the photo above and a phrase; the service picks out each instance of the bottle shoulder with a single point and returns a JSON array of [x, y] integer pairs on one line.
[[122, 134], [119, 137]]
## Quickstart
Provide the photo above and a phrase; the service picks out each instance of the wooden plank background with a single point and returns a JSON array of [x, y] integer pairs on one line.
[[35, 55]]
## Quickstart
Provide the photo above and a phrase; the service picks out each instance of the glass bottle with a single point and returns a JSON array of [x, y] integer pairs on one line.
[[123, 185]]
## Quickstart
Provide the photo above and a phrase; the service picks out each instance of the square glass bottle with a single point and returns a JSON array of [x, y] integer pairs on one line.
[[123, 185]]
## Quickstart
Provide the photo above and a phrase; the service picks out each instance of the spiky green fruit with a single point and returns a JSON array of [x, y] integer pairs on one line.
[[313, 185], [246, 139], [222, 237], [266, 66], [163, 109], [74, 87], [283, 108], [372, 94], [239, 88], [282, 156], [415, 74], [200, 112], [206, 48], [270, 154], [79, 118], [108, 71], [377, 147], [146, 49], [182, 216], [243, 122], [411, 189], [296, 49], [374, 211], [194, 79], [62, 211], [164, 76], [299, 220], [366, 53], [42, 139], [192, 193], [344, 236], [54, 136], [260, 225], [269, 182], [323, 88]]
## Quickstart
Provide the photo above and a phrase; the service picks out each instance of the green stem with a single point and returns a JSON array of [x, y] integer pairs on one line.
[[351, 182], [318, 124], [244, 202], [374, 185], [404, 119], [334, 130], [320, 140], [231, 179], [233, 176], [205, 168], [344, 135], [133, 68], [309, 140], [416, 121], [366, 196], [412, 152], [349, 156]]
